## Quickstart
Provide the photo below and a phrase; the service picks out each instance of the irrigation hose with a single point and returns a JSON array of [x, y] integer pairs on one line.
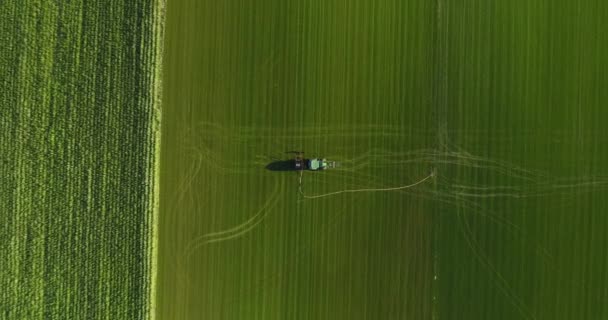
[[431, 175]]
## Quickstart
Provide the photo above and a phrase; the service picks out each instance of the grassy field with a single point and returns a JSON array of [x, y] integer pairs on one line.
[[524, 88], [246, 82], [79, 117], [504, 100]]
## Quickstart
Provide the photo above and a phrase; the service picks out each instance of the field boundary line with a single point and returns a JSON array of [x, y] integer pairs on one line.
[[156, 89]]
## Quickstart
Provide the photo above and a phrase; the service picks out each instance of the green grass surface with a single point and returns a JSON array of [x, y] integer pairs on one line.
[[525, 86], [78, 124], [246, 82], [504, 99]]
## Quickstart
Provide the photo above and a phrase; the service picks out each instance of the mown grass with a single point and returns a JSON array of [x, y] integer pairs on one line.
[[78, 126]]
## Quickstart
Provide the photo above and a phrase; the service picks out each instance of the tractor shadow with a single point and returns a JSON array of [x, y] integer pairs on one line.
[[282, 165]]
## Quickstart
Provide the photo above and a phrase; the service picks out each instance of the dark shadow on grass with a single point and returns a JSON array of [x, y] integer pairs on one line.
[[283, 165]]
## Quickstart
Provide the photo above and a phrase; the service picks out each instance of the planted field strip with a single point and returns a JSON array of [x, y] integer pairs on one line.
[[245, 82], [497, 108], [78, 138]]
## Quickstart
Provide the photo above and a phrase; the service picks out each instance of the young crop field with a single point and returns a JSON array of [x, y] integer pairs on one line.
[[472, 147], [79, 121]]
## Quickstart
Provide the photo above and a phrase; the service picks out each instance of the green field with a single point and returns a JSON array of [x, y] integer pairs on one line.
[[470, 135], [79, 118], [504, 100]]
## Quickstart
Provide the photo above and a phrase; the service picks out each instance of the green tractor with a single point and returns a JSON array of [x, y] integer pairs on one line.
[[313, 164]]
